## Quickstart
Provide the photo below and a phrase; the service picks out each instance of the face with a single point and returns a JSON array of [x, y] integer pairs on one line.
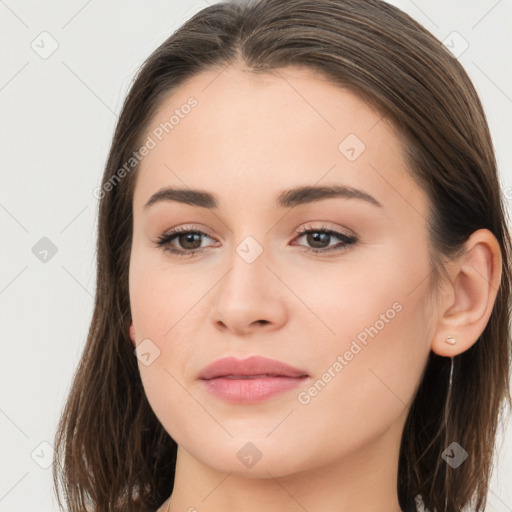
[[348, 306]]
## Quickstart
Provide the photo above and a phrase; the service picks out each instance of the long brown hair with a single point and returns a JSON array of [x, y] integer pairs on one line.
[[111, 452]]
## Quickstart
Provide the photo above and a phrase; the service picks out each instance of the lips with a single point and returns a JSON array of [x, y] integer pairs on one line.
[[251, 368]]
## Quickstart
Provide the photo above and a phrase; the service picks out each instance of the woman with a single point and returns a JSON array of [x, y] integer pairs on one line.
[[303, 275]]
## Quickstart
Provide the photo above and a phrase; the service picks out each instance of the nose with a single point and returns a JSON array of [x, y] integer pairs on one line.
[[249, 298]]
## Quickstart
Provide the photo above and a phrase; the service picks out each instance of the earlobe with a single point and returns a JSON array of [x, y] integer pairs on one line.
[[132, 334], [474, 281]]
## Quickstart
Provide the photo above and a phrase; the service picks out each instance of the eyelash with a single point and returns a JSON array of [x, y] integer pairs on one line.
[[165, 240]]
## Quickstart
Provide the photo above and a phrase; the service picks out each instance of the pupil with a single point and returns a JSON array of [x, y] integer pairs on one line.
[[189, 237], [316, 237]]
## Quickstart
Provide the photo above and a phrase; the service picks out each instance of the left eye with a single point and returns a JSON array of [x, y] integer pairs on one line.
[[190, 240], [322, 235]]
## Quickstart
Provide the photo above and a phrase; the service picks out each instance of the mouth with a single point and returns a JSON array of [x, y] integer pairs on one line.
[[253, 367], [248, 376], [250, 380], [248, 389]]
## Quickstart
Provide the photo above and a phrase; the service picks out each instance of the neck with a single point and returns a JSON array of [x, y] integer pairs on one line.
[[364, 480]]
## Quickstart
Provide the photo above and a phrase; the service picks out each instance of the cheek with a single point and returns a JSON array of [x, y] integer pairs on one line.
[[160, 295], [361, 389], [369, 369], [382, 288], [164, 315], [156, 311]]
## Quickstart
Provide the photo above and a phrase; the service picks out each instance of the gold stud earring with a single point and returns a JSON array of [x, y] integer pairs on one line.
[[450, 340]]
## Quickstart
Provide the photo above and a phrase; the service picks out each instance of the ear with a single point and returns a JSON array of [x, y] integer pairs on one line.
[[132, 334], [469, 295]]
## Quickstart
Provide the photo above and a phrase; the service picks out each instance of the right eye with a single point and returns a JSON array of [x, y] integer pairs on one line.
[[186, 237]]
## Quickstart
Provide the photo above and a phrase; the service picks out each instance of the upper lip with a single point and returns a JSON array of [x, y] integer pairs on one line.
[[254, 365]]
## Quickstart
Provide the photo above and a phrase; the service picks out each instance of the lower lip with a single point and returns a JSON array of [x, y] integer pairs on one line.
[[244, 391]]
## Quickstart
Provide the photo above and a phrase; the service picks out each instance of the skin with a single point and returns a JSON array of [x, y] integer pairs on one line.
[[250, 137]]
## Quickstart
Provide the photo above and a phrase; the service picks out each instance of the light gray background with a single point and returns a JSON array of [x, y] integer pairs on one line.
[[57, 120]]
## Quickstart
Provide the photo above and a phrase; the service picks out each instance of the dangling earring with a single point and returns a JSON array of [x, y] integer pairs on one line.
[[448, 406], [132, 334], [450, 340]]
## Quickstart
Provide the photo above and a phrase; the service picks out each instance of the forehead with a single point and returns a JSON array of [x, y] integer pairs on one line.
[[235, 131]]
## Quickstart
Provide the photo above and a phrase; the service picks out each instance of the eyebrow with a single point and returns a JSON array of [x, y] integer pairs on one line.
[[286, 199]]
